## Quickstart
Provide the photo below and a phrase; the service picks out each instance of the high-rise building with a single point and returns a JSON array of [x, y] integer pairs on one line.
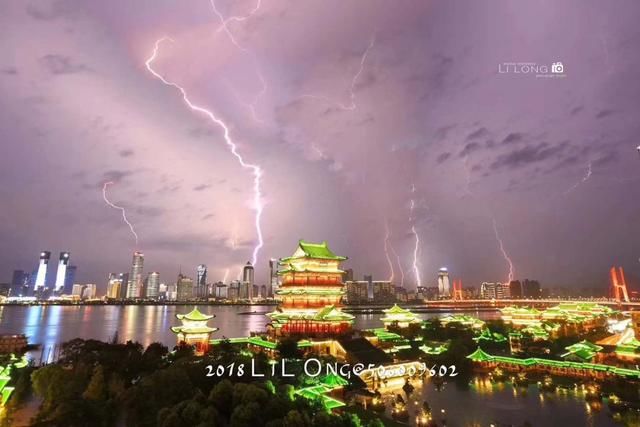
[[61, 274], [347, 276], [77, 290], [248, 280], [19, 283], [531, 289], [184, 291], [273, 277], [135, 278], [114, 286], [152, 285], [201, 281], [233, 292], [497, 290], [515, 289], [89, 291], [69, 278], [220, 290], [41, 275], [369, 280], [444, 289]]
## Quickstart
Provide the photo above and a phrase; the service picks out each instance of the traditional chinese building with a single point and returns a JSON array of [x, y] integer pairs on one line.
[[194, 329], [311, 293], [400, 317]]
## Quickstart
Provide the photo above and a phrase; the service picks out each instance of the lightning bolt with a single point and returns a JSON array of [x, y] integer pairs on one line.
[[386, 250], [226, 276], [225, 28], [120, 208], [399, 266], [352, 92], [584, 179], [416, 249], [504, 252], [256, 170]]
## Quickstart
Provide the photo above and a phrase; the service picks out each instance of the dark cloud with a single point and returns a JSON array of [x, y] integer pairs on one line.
[[115, 175], [576, 110], [57, 9], [442, 157], [479, 133], [201, 187], [126, 153], [149, 211], [469, 148], [528, 155], [604, 113], [512, 138], [60, 64], [208, 216], [10, 71]]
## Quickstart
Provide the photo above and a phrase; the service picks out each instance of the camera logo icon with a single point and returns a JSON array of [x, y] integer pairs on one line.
[[557, 68]]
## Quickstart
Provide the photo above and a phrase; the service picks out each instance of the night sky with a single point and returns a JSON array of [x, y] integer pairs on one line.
[[366, 106]]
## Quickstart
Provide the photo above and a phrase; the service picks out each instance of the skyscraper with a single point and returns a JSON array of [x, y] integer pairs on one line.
[[152, 285], [69, 278], [444, 289], [19, 283], [201, 281], [61, 274], [273, 277], [114, 287], [41, 275], [135, 278], [247, 279], [184, 288]]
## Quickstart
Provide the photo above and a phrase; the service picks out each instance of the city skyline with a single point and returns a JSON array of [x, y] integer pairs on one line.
[[369, 132]]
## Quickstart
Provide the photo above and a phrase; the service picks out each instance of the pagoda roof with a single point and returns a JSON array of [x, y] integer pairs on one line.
[[328, 313], [314, 250], [584, 350], [290, 268], [195, 315], [192, 330], [479, 356]]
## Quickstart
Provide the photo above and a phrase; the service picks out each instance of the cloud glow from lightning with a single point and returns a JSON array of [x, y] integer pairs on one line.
[[416, 249], [352, 94], [256, 170], [224, 27], [504, 252], [386, 251], [120, 208]]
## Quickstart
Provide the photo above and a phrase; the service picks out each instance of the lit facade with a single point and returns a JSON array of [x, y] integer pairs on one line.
[[61, 274], [135, 278], [310, 292], [444, 290], [194, 329], [41, 275]]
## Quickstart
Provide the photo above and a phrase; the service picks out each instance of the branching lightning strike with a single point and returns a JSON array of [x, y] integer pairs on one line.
[[352, 93], [224, 27], [120, 208], [504, 252], [386, 250], [255, 169], [416, 249], [584, 179]]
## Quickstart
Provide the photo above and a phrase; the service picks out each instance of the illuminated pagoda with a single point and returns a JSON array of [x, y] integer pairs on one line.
[[400, 317], [194, 329], [311, 293], [583, 351]]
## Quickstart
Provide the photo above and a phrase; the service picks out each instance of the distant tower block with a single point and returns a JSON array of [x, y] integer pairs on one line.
[[457, 290], [619, 285]]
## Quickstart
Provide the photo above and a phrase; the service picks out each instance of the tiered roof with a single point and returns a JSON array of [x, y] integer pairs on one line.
[[463, 319], [314, 250], [583, 350], [328, 313], [194, 322], [400, 315]]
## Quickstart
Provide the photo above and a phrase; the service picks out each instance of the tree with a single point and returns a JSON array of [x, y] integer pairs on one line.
[[97, 389], [288, 348]]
